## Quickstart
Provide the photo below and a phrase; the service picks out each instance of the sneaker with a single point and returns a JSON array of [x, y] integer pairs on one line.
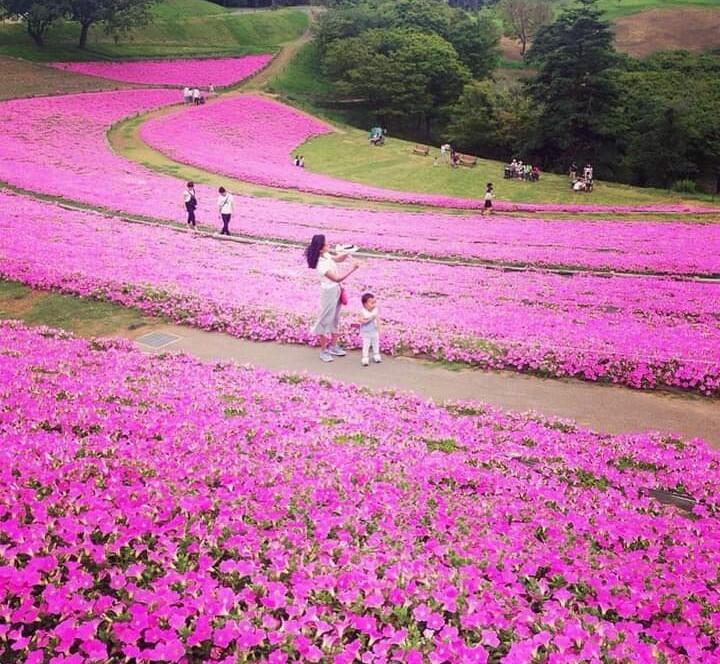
[[377, 359], [365, 362], [336, 351], [326, 357]]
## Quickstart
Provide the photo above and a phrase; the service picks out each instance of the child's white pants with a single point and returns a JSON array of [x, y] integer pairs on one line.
[[368, 341]]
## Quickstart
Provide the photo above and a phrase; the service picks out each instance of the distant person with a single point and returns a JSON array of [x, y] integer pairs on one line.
[[535, 176], [190, 203], [296, 160], [588, 173], [528, 171], [225, 206], [370, 330], [211, 89], [320, 259], [454, 158], [579, 185], [196, 96], [187, 95], [445, 150], [489, 195], [572, 173], [301, 162]]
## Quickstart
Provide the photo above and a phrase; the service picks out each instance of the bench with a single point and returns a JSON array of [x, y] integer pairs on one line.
[[468, 160], [423, 150]]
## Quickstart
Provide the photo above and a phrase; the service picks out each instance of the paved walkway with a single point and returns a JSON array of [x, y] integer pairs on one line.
[[604, 408]]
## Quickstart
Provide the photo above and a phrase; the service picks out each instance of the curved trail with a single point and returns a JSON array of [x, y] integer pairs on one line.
[[602, 407]]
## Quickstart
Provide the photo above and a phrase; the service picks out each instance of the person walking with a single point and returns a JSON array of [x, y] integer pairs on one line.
[[187, 95], [190, 203], [332, 298], [489, 195], [196, 96], [225, 205]]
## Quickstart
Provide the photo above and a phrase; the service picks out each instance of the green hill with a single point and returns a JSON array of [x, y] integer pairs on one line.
[[181, 28]]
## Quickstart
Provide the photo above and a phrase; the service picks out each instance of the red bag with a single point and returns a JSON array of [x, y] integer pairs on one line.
[[343, 296]]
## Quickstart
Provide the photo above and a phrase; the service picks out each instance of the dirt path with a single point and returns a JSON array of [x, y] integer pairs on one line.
[[604, 408]]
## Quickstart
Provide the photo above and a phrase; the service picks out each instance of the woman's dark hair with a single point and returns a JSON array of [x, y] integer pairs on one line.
[[221, 190], [190, 185], [313, 250], [365, 297]]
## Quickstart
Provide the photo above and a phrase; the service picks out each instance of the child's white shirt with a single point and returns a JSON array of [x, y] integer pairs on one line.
[[369, 324]]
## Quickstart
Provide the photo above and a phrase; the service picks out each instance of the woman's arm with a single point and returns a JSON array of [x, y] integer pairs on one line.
[[340, 258], [339, 279]]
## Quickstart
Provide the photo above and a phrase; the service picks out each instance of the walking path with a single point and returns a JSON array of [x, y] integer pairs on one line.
[[605, 408]]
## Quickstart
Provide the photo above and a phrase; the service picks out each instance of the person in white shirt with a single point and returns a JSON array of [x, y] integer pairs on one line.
[[196, 96], [370, 330], [225, 205], [332, 297], [187, 95], [489, 195], [190, 200]]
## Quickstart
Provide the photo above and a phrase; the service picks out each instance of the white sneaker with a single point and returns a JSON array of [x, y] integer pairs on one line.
[[336, 351], [377, 359], [326, 357], [365, 362]]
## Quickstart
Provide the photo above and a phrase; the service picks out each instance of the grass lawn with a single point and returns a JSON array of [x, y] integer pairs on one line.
[[393, 166], [615, 8], [81, 316], [299, 79], [21, 78], [181, 28]]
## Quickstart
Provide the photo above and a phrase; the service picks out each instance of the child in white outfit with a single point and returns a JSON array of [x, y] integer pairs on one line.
[[370, 329]]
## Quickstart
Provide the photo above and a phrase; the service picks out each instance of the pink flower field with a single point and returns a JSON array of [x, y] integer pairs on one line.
[[161, 509], [202, 72], [642, 332], [57, 146], [251, 138]]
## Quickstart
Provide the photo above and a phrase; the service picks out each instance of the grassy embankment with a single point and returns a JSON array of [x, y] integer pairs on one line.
[[81, 316], [180, 28]]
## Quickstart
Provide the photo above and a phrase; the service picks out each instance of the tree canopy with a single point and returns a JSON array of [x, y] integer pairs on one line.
[[575, 88]]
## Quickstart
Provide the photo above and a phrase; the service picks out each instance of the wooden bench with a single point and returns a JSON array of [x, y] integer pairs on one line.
[[423, 150], [468, 160]]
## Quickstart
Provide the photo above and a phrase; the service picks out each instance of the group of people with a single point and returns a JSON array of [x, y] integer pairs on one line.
[[299, 161], [225, 203], [333, 297], [516, 169], [194, 96], [448, 155], [377, 136], [582, 182]]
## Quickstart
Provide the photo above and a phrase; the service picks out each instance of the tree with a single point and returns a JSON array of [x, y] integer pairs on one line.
[[489, 121], [117, 15], [523, 18], [672, 107], [575, 90], [38, 15], [476, 40], [401, 74]]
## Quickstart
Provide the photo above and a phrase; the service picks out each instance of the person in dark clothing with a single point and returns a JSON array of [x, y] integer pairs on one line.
[[190, 203]]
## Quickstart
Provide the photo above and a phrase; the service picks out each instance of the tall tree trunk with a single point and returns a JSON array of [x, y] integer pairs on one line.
[[84, 27], [36, 34]]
